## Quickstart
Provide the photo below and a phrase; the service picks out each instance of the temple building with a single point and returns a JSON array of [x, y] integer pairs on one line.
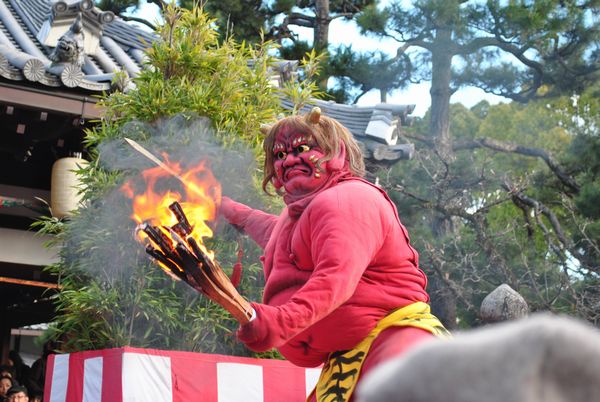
[[56, 59]]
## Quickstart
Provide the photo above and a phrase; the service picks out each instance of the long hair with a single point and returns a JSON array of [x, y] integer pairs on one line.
[[327, 132]]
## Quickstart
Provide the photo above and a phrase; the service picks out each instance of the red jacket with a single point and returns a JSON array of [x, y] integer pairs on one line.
[[332, 270]]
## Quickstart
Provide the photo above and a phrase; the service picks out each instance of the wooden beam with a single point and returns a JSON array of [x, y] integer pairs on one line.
[[78, 105], [25, 282], [26, 247], [26, 332]]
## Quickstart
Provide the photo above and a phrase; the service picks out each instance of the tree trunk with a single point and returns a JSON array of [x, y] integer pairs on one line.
[[441, 75], [321, 34], [439, 129], [383, 95], [443, 303]]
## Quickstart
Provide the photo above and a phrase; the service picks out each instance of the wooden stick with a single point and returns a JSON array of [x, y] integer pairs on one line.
[[30, 283], [217, 276], [161, 164], [185, 260], [213, 268], [203, 259], [169, 266], [213, 289], [157, 236], [182, 227], [153, 158]]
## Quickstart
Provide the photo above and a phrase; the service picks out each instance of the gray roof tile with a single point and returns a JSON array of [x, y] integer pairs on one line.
[[357, 119], [7, 38], [23, 20], [123, 44]]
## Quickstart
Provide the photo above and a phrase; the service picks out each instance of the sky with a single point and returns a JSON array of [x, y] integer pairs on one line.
[[346, 33]]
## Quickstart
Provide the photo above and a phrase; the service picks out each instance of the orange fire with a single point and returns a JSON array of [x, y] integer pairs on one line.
[[195, 188]]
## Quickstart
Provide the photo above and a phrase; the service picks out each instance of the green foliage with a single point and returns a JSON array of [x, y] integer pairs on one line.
[[372, 19], [116, 6], [244, 20], [582, 115], [194, 73], [303, 92], [295, 51], [277, 18], [548, 250], [112, 295], [374, 70], [254, 20], [503, 176], [519, 49]]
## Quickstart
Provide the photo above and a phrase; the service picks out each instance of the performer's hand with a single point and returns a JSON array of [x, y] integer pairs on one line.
[[258, 334]]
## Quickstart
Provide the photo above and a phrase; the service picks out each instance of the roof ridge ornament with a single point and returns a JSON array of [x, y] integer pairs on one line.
[[68, 56], [69, 48], [61, 18]]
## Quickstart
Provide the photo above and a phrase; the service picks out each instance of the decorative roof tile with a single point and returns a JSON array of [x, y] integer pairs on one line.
[[31, 29]]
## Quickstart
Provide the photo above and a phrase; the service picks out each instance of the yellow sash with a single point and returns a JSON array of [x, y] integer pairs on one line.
[[340, 373]]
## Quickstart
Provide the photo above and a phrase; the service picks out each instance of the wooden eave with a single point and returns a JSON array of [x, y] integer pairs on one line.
[[76, 104]]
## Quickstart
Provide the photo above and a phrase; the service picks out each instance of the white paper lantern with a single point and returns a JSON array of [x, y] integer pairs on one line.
[[65, 186]]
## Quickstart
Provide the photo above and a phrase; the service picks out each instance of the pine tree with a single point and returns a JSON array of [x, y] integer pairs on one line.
[[522, 50]]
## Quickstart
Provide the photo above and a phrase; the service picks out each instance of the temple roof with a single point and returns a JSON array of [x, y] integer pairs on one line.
[[96, 44], [30, 30], [375, 127]]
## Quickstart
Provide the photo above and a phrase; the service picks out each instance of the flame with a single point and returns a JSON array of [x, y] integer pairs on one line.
[[195, 188]]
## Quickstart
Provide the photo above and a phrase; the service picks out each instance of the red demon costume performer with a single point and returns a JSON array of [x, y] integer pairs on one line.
[[343, 286]]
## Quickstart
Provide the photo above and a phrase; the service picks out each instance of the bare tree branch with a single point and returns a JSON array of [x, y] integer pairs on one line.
[[162, 4], [140, 20], [420, 138], [301, 20], [438, 266], [507, 147], [539, 207], [342, 15]]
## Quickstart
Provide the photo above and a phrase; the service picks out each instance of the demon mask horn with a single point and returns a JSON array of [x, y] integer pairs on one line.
[[313, 116], [265, 128]]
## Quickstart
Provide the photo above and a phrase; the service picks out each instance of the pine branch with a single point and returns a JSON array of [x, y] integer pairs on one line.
[[301, 20], [160, 3], [519, 197], [508, 147], [137, 19]]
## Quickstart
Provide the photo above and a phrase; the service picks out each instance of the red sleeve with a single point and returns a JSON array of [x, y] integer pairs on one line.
[[344, 236], [257, 224]]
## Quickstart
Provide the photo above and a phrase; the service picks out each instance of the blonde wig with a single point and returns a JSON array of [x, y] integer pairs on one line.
[[328, 134]]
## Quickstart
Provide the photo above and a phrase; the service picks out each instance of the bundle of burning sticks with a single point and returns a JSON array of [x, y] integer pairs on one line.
[[180, 255]]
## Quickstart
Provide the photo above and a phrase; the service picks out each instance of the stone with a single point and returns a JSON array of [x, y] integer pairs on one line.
[[503, 304]]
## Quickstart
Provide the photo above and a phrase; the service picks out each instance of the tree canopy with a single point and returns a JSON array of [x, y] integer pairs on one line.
[[502, 210], [522, 50], [251, 21], [527, 51]]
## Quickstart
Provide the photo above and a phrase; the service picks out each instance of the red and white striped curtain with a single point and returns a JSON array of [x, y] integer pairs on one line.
[[150, 375]]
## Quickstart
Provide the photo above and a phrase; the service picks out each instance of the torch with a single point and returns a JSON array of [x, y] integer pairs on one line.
[[180, 252]]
